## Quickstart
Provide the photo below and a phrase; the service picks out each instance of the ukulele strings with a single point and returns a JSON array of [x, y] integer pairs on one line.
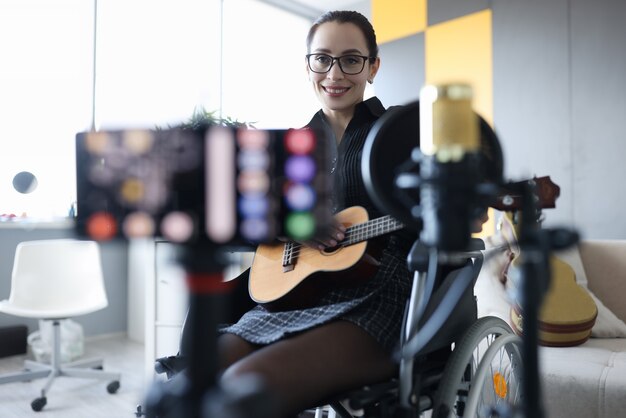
[[353, 235]]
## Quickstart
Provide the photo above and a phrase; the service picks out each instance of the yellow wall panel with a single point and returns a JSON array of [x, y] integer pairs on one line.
[[461, 50], [395, 19]]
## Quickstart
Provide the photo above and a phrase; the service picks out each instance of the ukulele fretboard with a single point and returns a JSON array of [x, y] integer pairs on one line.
[[354, 234], [370, 229]]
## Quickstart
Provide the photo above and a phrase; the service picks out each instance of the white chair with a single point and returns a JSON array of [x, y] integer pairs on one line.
[[54, 280]]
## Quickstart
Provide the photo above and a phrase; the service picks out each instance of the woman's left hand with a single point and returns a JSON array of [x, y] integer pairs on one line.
[[330, 237]]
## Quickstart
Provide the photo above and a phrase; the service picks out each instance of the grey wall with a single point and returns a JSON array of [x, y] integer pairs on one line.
[[560, 104], [364, 7], [401, 74], [112, 319], [559, 99], [598, 74], [532, 93], [442, 10]]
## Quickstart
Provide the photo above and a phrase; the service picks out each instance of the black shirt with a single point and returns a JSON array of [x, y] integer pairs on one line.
[[349, 189]]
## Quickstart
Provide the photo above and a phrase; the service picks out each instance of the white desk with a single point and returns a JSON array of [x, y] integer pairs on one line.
[[166, 300]]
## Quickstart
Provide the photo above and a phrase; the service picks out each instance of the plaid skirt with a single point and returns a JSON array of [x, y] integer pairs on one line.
[[376, 306]]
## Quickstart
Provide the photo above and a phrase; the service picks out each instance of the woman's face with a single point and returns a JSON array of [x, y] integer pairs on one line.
[[339, 92]]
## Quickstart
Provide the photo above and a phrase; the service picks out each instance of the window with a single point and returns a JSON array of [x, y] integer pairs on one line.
[[156, 62], [265, 81], [45, 98]]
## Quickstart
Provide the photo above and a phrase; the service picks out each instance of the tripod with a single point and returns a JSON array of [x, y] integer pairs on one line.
[[196, 391], [536, 245]]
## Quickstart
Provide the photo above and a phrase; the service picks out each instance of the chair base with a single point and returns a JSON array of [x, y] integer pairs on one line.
[[85, 369]]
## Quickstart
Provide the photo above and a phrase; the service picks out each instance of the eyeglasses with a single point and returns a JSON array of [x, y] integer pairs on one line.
[[349, 64]]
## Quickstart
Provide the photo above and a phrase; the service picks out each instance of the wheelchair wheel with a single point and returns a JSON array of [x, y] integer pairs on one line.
[[461, 371], [498, 378]]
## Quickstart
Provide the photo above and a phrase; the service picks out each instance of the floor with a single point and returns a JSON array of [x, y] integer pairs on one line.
[[80, 398]]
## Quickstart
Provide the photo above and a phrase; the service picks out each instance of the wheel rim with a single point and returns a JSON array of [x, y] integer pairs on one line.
[[452, 396], [470, 372], [497, 379]]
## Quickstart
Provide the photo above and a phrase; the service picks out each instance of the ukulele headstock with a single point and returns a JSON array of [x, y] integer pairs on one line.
[[546, 193]]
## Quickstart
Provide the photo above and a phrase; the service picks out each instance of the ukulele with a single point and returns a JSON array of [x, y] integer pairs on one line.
[[290, 275], [278, 269]]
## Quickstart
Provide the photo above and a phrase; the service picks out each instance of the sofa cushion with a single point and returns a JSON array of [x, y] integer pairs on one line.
[[586, 381], [605, 266]]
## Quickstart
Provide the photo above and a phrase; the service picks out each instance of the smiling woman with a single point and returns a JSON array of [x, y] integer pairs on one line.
[[343, 336]]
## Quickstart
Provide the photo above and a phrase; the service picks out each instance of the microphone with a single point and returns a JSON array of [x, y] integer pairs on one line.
[[449, 166]]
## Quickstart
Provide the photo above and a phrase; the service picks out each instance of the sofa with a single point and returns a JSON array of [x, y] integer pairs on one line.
[[586, 380]]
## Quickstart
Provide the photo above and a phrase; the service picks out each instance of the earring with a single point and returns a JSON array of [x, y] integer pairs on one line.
[[370, 81]]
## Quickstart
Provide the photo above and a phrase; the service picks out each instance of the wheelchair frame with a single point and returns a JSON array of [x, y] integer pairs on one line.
[[435, 378], [455, 386]]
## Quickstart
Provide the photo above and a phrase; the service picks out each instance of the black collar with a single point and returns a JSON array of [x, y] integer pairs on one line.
[[371, 108]]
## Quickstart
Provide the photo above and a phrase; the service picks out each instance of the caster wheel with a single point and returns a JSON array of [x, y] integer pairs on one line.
[[38, 404], [113, 386], [139, 412], [159, 368]]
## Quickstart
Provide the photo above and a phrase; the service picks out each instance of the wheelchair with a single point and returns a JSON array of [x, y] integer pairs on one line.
[[470, 367], [466, 367], [482, 374]]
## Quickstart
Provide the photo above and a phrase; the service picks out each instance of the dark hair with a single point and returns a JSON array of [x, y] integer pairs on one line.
[[491, 153], [345, 16]]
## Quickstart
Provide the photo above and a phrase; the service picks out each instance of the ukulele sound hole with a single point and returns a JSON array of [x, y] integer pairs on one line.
[[330, 250]]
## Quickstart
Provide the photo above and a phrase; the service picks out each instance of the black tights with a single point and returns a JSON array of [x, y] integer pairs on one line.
[[305, 370]]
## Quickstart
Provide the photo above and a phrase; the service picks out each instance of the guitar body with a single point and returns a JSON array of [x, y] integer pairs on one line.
[[270, 283], [567, 314]]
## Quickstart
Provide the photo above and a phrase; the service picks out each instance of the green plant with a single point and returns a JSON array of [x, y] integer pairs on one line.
[[202, 118]]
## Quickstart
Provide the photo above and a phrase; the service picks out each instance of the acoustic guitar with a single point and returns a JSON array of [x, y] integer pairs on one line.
[[278, 269], [546, 193], [568, 312]]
